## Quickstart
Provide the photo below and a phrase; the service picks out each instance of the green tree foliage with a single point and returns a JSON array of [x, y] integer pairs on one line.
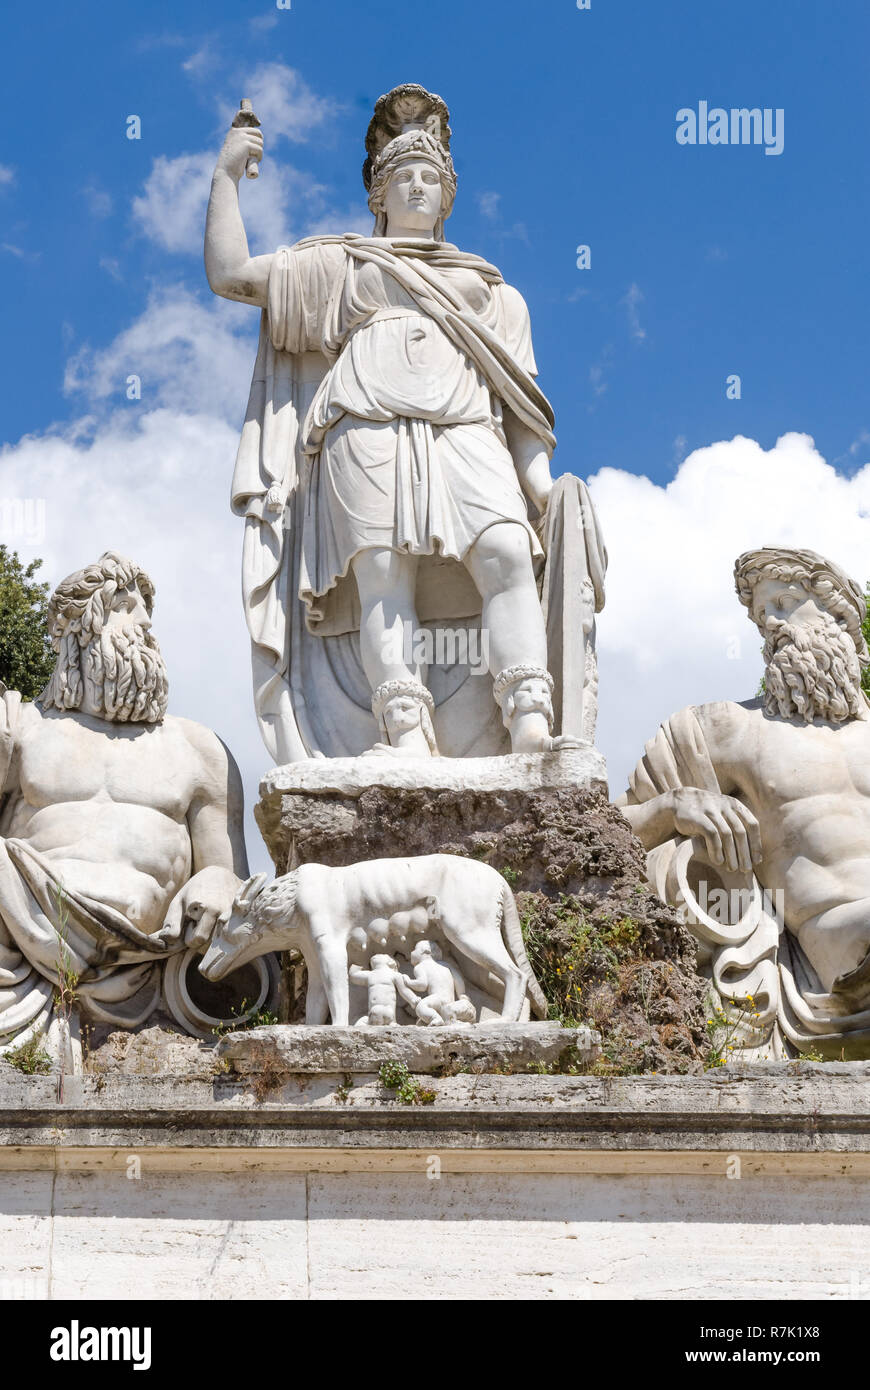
[[26, 656]]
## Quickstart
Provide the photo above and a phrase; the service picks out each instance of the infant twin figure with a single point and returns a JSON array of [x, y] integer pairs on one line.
[[434, 993]]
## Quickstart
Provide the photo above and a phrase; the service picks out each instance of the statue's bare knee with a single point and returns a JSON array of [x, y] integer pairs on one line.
[[500, 560]]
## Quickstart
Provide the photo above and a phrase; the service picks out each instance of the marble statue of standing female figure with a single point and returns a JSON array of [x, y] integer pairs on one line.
[[394, 472]]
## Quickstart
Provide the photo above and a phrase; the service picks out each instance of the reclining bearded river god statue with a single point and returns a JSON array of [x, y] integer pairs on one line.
[[394, 478], [756, 817], [120, 830]]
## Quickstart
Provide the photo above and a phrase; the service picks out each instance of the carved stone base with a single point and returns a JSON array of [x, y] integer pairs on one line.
[[487, 1047]]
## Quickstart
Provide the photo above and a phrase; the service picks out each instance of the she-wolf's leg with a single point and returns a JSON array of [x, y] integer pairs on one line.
[[332, 960], [316, 1005], [482, 945]]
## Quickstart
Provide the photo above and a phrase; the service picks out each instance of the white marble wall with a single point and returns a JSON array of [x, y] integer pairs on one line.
[[257, 1233]]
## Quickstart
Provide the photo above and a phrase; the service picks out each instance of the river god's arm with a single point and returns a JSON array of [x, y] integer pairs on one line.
[[652, 821], [217, 843], [729, 829], [215, 818], [11, 733]]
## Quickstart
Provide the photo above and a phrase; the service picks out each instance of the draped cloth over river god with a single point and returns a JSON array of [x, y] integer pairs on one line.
[[375, 419], [747, 949]]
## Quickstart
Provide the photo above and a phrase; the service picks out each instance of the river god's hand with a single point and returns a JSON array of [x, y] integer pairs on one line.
[[242, 143], [203, 903], [728, 828]]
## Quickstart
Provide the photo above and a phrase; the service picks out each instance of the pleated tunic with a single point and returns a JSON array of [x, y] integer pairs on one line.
[[406, 439]]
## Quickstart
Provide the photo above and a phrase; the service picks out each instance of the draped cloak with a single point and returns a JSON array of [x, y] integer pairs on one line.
[[754, 954], [375, 418]]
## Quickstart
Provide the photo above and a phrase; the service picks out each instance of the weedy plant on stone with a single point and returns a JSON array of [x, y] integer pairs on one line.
[[30, 1058]]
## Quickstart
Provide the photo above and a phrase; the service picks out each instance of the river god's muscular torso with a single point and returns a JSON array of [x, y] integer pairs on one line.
[[809, 787], [83, 792]]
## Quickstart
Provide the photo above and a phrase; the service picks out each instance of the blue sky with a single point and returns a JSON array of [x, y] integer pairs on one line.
[[706, 261], [745, 263]]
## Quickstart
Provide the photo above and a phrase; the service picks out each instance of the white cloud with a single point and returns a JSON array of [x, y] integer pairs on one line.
[[152, 479], [150, 43], [190, 357], [285, 105], [203, 61], [20, 252], [598, 375], [860, 446], [354, 218], [596, 379], [98, 200], [7, 175], [488, 204], [673, 632], [630, 301], [283, 205], [170, 210], [155, 486]]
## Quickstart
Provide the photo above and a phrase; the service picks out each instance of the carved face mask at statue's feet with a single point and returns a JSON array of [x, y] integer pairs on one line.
[[404, 725], [407, 723]]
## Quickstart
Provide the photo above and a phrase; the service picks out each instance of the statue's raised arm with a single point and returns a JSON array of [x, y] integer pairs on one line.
[[231, 269]]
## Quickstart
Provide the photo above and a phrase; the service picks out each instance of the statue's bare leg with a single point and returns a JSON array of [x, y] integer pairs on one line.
[[512, 622], [428, 1013], [386, 582]]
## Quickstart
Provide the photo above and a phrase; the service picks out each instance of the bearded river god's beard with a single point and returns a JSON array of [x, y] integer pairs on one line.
[[811, 671], [126, 671]]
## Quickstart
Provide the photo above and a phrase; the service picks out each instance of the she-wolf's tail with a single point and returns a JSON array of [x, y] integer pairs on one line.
[[513, 933]]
